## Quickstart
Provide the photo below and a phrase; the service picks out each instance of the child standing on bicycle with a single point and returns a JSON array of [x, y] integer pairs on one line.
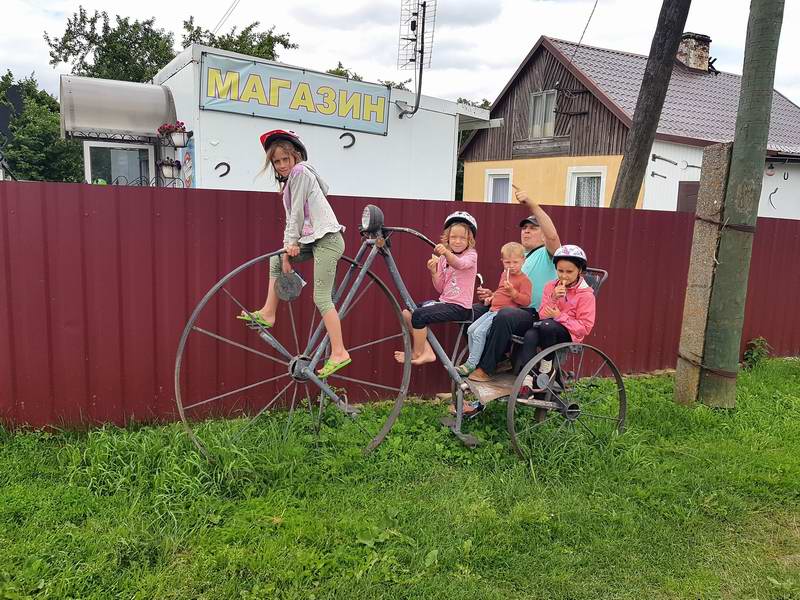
[[312, 231], [514, 290], [567, 310], [453, 267]]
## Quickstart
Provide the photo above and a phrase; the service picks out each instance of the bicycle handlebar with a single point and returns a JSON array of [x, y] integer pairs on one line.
[[413, 232]]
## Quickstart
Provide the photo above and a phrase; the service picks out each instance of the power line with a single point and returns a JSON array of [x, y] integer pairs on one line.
[[227, 14], [580, 41]]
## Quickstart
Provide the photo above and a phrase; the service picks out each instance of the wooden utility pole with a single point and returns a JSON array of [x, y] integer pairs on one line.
[[655, 82], [740, 211]]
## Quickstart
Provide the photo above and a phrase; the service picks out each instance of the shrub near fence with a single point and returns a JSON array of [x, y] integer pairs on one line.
[[96, 284]]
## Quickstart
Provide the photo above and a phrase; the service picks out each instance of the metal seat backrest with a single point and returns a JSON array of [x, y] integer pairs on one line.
[[595, 278]]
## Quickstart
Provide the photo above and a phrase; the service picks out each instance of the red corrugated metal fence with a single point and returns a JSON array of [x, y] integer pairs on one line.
[[96, 284]]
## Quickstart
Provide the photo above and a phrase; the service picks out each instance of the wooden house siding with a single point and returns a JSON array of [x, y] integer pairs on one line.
[[596, 131]]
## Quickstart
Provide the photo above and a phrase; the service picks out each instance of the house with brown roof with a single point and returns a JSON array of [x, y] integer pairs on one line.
[[566, 115]]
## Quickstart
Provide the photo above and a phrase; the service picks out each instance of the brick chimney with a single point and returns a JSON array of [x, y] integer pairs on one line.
[[693, 50]]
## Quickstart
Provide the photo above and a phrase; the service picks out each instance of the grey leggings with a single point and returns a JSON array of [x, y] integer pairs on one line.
[[326, 252]]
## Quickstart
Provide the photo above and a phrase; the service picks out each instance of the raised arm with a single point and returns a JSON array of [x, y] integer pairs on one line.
[[549, 232]]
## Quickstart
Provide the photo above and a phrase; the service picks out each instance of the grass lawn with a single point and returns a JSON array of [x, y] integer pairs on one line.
[[686, 504]]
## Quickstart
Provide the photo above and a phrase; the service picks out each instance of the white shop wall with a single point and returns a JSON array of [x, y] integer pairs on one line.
[[661, 193], [415, 160]]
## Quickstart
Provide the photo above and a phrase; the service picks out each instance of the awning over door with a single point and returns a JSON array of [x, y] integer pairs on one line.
[[107, 109]]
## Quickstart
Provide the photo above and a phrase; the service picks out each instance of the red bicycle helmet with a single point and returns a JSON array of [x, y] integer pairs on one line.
[[277, 135]]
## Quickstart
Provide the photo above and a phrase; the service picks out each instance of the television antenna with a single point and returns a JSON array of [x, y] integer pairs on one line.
[[417, 19]]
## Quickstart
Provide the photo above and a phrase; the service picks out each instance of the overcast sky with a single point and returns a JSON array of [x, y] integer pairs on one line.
[[478, 44]]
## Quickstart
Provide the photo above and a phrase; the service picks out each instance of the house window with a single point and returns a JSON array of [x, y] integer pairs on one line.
[[115, 163], [586, 186], [498, 185], [542, 119]]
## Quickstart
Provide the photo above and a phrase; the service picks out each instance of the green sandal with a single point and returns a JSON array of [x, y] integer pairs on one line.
[[254, 318], [329, 368], [465, 369]]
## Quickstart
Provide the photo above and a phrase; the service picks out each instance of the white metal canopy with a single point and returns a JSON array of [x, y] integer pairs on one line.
[[105, 109]]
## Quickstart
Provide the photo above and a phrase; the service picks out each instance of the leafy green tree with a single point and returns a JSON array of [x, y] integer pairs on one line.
[[124, 50], [263, 44], [398, 85], [136, 50], [35, 149], [342, 72]]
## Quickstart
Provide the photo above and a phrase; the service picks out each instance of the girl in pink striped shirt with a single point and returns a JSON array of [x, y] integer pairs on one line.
[[453, 268]]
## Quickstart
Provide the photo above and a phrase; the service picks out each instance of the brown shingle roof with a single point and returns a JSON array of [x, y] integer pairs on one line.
[[698, 105]]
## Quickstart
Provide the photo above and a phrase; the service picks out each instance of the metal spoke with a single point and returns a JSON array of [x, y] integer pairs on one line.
[[354, 302], [242, 389], [600, 368], [594, 435], [313, 318], [240, 433], [537, 424], [580, 366], [369, 383], [238, 345], [385, 339], [585, 414], [291, 413], [294, 328], [262, 331]]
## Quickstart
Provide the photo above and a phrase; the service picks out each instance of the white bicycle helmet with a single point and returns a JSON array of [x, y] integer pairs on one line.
[[572, 253], [462, 216]]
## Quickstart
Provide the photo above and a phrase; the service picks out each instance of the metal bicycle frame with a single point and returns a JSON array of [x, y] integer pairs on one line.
[[372, 246]]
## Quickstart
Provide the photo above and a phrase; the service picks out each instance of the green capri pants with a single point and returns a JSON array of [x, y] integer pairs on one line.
[[326, 252]]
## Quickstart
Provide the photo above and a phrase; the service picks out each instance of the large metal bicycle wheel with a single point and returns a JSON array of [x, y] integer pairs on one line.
[[584, 393], [227, 368]]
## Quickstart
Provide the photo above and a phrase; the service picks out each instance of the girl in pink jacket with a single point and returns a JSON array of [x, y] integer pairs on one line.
[[567, 310], [453, 268]]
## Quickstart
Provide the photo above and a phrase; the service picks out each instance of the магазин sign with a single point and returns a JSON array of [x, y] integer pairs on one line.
[[289, 94]]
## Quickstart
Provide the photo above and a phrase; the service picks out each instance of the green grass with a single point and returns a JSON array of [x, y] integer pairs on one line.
[[687, 504]]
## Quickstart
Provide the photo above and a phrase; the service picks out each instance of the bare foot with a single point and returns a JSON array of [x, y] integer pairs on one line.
[[337, 358], [401, 357], [426, 357], [265, 316], [479, 375]]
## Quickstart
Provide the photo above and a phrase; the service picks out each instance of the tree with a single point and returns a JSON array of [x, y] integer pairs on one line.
[[127, 51], [36, 150], [657, 74], [136, 50], [398, 85], [263, 44], [342, 72], [462, 137]]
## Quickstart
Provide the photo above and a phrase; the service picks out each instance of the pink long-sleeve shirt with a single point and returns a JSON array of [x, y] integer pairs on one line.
[[577, 308], [456, 282]]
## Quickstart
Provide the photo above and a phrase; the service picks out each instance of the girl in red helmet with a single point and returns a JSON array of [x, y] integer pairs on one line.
[[312, 231]]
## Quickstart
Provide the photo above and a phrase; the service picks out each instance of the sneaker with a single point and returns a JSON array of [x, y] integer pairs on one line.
[[545, 366]]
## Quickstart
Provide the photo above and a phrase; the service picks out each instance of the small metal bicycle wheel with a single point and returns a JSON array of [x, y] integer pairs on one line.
[[583, 393], [252, 375]]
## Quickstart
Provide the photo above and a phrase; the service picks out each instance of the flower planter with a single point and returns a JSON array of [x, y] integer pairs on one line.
[[170, 171], [179, 139]]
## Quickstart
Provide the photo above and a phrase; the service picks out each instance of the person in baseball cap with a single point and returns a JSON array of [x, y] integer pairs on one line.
[[540, 239]]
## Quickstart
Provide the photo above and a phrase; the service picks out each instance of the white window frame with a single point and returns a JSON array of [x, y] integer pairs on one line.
[[490, 175], [543, 94], [87, 170], [572, 179]]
